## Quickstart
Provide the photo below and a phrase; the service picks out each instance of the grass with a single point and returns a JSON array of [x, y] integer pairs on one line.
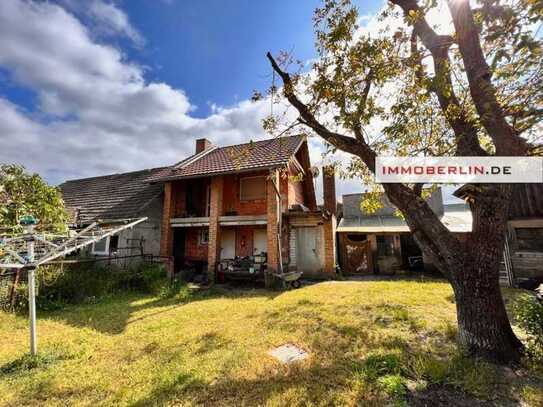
[[371, 343]]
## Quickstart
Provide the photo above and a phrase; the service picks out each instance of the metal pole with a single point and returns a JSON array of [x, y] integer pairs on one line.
[[32, 298]]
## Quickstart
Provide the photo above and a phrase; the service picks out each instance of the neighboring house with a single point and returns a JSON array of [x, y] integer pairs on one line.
[[381, 242], [245, 200], [117, 197], [523, 257]]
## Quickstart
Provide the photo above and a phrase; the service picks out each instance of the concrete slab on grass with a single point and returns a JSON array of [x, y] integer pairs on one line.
[[288, 353]]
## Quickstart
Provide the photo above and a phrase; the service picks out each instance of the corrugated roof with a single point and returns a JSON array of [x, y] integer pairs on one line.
[[109, 197], [455, 218], [262, 154]]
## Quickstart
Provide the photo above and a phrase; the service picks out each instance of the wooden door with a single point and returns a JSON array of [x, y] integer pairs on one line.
[[355, 254]]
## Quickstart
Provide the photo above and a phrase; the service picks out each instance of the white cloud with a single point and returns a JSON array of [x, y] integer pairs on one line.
[[113, 20], [96, 112]]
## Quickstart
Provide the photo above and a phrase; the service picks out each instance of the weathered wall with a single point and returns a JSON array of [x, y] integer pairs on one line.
[[148, 231], [526, 247]]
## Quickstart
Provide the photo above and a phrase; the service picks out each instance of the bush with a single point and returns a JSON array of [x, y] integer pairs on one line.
[[529, 316], [84, 282], [148, 278]]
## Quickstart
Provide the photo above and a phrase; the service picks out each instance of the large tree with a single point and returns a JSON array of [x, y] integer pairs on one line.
[[410, 89], [23, 193]]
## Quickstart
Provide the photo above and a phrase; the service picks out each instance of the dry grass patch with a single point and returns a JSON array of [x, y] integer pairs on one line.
[[370, 343]]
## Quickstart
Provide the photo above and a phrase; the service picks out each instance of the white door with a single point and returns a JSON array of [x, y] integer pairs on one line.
[[309, 250], [260, 241], [228, 243]]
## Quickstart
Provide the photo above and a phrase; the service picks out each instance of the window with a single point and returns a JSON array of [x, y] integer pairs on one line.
[[106, 246], [204, 237], [113, 244], [100, 247], [252, 188], [208, 200]]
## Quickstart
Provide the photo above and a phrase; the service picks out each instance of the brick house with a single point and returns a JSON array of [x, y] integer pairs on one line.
[[247, 200]]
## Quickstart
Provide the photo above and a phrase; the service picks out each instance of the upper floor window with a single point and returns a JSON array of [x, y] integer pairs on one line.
[[252, 188]]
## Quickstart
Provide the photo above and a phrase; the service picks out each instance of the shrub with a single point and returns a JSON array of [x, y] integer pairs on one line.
[[83, 282], [529, 316], [148, 278]]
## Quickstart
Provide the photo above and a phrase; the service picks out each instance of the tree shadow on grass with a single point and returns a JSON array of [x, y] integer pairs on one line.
[[111, 315], [337, 375]]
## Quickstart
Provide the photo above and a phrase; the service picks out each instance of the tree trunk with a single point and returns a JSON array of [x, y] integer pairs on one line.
[[484, 328], [472, 266]]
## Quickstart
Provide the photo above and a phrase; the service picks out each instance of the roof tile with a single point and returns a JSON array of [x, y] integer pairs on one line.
[[253, 155]]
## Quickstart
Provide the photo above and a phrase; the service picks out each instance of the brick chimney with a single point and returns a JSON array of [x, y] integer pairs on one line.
[[329, 188], [203, 144]]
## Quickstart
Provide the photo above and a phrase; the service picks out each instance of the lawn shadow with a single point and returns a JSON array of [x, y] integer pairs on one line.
[[111, 315]]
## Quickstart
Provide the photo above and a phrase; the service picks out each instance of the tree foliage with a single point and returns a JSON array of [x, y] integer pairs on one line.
[[439, 78], [22, 193]]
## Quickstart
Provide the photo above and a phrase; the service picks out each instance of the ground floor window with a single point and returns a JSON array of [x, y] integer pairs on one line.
[[106, 246]]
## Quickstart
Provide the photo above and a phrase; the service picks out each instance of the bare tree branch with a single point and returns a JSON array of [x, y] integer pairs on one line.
[[422, 221], [348, 144]]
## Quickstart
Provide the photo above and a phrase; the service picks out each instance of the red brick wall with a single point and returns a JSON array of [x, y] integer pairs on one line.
[[329, 188], [193, 249], [231, 198], [216, 201], [295, 189], [273, 255], [166, 234], [179, 197]]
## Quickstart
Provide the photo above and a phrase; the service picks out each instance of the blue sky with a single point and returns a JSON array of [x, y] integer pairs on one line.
[[213, 50], [90, 87], [93, 87]]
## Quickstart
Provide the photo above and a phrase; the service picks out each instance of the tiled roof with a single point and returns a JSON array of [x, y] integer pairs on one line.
[[242, 157], [117, 196]]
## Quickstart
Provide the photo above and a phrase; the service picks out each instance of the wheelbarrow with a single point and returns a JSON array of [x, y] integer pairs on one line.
[[290, 278]]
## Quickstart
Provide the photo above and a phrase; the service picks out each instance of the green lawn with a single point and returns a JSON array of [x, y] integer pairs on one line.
[[371, 343]]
